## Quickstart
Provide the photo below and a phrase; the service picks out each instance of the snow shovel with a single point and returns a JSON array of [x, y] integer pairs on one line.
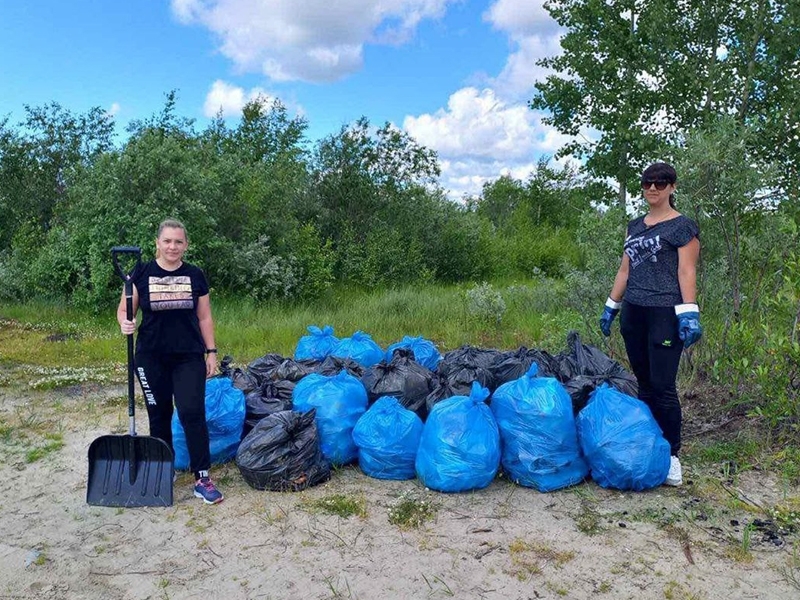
[[129, 470]]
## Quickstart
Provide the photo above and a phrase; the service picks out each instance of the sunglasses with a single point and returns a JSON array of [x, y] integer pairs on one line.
[[660, 185]]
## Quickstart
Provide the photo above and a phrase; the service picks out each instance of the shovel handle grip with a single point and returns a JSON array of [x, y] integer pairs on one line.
[[118, 251]]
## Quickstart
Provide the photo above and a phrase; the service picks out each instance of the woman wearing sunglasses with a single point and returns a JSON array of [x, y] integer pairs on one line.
[[656, 290]]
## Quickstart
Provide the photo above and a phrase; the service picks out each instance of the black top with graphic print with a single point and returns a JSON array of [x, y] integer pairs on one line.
[[168, 300], [653, 254]]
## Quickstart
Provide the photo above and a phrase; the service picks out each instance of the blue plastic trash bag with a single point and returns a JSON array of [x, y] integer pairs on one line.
[[537, 428], [460, 445], [317, 345], [622, 442], [340, 401], [225, 409], [425, 351], [360, 348], [387, 436]]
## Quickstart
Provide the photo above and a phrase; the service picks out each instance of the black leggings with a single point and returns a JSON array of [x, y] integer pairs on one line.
[[654, 351], [182, 378]]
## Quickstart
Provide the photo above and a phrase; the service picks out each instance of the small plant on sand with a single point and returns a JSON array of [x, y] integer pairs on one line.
[[411, 510], [340, 505], [588, 519], [741, 552], [529, 558], [53, 443], [435, 586], [791, 571], [675, 591], [786, 514]]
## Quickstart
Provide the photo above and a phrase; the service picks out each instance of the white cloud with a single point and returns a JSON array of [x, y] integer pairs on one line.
[[520, 17], [113, 109], [230, 99], [479, 137], [477, 123], [308, 40], [521, 72]]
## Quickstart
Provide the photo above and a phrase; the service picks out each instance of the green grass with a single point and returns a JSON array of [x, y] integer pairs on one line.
[[53, 335], [53, 442], [339, 505], [411, 511], [743, 450]]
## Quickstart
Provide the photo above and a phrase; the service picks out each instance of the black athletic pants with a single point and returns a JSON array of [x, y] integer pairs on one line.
[[654, 351], [180, 378]]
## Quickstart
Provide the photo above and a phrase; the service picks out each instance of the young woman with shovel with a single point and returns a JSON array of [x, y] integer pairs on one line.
[[175, 349]]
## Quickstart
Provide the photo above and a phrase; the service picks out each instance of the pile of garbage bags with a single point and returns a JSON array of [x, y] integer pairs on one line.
[[453, 421]]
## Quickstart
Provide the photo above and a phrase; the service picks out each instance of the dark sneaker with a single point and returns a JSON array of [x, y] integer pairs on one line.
[[204, 488]]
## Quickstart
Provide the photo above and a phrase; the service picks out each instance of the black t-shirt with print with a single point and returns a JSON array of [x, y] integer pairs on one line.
[[653, 254], [168, 301]]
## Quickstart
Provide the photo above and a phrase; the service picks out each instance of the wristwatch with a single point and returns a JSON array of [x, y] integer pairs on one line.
[[211, 350]]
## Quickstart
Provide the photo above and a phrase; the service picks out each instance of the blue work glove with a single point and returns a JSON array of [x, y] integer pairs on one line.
[[609, 312], [689, 329]]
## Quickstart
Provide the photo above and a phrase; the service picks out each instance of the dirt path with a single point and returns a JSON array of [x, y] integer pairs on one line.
[[504, 542]]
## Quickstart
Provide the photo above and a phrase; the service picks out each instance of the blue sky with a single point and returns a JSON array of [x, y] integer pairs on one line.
[[455, 74]]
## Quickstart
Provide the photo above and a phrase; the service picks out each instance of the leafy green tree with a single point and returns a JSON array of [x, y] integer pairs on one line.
[[729, 192], [642, 73], [600, 83], [378, 201], [41, 158]]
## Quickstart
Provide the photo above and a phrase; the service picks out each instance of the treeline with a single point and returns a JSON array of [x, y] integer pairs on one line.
[[270, 215]]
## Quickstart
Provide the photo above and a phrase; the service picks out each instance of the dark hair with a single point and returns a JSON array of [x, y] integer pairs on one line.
[[661, 171]]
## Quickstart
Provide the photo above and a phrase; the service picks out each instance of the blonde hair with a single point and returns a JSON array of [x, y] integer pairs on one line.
[[173, 224]]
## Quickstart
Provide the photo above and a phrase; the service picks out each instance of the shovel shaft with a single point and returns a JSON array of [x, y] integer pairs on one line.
[[131, 392]]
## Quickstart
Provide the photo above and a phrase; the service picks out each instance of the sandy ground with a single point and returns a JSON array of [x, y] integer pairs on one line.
[[504, 542]]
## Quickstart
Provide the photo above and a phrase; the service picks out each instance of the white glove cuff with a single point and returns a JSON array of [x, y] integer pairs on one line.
[[685, 308], [612, 304]]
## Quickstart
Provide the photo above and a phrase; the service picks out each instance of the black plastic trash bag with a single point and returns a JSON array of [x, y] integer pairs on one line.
[[470, 355], [467, 364], [441, 391], [294, 370], [514, 364], [282, 453], [263, 368], [243, 381], [274, 396], [424, 351], [402, 378], [333, 365], [583, 368]]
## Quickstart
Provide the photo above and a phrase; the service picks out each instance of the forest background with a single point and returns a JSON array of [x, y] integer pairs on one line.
[[353, 230]]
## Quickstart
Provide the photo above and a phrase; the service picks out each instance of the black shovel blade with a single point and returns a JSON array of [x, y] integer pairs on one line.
[[129, 470]]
